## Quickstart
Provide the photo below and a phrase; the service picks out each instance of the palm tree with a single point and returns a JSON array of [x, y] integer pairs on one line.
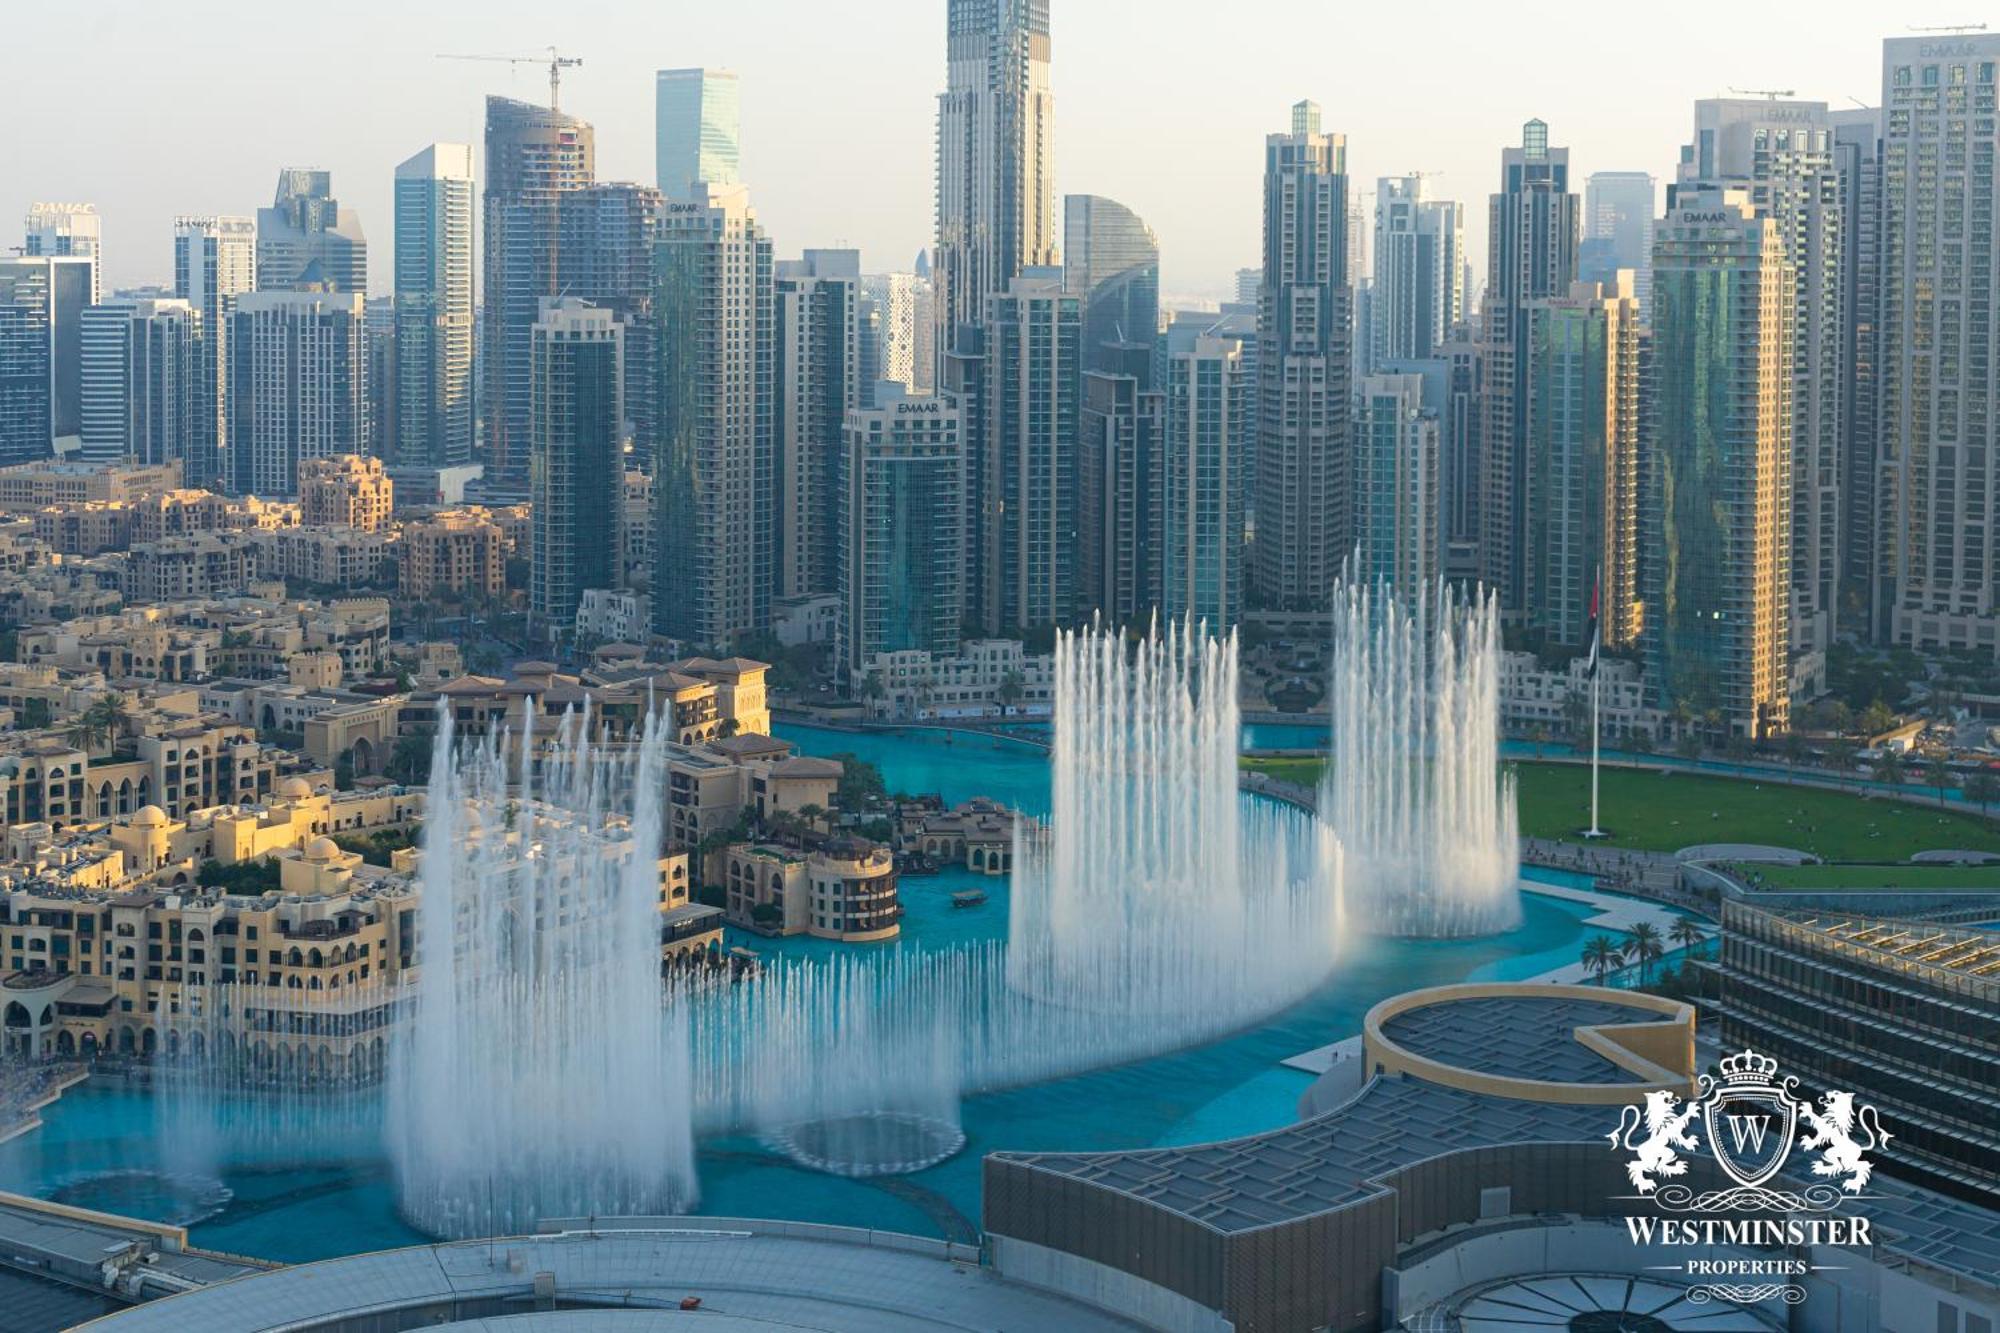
[[1794, 746], [1937, 774], [1889, 769], [1600, 956], [99, 723], [1982, 789], [812, 814], [1645, 948], [1688, 934]]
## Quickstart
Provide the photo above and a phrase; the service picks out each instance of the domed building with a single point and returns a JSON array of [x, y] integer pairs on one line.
[[318, 869]]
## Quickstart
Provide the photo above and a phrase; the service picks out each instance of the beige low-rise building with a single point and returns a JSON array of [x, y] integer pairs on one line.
[[339, 557], [978, 834], [347, 490], [845, 889], [205, 564], [454, 550], [26, 487]]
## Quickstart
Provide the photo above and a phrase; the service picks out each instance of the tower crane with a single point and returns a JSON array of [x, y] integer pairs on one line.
[[1772, 93], [556, 62]]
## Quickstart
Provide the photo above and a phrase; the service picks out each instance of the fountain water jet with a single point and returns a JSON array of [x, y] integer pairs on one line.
[[1157, 889], [539, 1073], [1413, 789]]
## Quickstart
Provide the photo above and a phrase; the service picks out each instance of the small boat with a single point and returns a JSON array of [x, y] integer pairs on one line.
[[968, 898]]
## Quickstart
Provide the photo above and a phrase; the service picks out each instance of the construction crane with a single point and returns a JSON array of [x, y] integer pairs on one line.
[[1773, 93], [557, 63], [1951, 27]]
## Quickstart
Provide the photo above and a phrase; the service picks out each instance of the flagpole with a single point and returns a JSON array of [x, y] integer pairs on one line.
[[1596, 690], [1595, 686]]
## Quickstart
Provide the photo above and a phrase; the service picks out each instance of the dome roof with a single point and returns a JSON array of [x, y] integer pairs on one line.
[[295, 789], [149, 816], [322, 849]]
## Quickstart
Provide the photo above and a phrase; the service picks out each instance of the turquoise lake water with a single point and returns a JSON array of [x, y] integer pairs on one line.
[[308, 1177]]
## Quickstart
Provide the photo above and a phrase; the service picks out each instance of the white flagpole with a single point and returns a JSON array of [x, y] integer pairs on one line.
[[1595, 686]]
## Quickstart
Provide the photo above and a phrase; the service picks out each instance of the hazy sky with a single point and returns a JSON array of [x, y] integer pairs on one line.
[[150, 108]]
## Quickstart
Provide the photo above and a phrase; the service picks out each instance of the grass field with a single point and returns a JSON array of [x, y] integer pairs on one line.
[[1303, 772], [1650, 811], [1878, 877]]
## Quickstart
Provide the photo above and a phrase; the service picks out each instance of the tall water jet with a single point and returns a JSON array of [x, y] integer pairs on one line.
[[1157, 890], [1413, 788], [540, 1073]]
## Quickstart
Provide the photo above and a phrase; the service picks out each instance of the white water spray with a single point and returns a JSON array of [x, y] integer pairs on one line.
[[1413, 789]]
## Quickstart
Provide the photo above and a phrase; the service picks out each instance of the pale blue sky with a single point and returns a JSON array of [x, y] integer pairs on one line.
[[155, 107]]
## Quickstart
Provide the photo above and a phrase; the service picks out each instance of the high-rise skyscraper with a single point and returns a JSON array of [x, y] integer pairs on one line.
[[1939, 379], [698, 127], [298, 385], [215, 262], [1304, 335], [59, 286], [1396, 486], [817, 382], [1118, 494], [1781, 153], [1715, 467], [714, 461], [1112, 260], [1208, 409], [1461, 457], [533, 156], [605, 236], [1857, 157], [69, 231], [902, 529], [905, 330], [434, 311], [1023, 537], [305, 240], [1618, 212], [145, 396], [996, 204], [1583, 449], [26, 355], [1419, 271], [576, 468], [1531, 255]]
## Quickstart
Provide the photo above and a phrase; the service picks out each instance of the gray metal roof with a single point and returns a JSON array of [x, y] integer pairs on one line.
[[1516, 1036], [1327, 1162], [823, 1278]]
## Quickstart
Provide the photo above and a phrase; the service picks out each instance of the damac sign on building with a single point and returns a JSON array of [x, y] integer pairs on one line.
[[1752, 1123]]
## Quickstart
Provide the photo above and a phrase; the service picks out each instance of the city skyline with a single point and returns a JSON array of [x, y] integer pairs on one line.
[[1126, 127]]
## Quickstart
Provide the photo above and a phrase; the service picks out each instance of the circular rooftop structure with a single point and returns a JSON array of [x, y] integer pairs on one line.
[[295, 789], [1541, 1042], [322, 849], [149, 816]]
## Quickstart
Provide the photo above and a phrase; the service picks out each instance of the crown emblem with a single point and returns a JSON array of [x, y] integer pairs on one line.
[[1748, 1068]]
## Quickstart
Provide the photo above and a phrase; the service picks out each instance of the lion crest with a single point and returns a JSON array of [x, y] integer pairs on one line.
[[1665, 1128], [1834, 1124]]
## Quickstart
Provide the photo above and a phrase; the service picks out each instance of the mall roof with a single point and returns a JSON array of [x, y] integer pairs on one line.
[[1332, 1160], [767, 1275], [1510, 1036], [1891, 942]]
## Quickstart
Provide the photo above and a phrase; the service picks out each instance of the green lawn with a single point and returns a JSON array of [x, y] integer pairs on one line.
[[1304, 772], [1877, 877], [1652, 811], [1646, 810]]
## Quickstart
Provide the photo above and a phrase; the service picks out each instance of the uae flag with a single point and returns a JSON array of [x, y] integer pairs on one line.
[[1596, 632]]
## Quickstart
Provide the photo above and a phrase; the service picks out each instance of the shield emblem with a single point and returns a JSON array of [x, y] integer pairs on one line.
[[1750, 1130]]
